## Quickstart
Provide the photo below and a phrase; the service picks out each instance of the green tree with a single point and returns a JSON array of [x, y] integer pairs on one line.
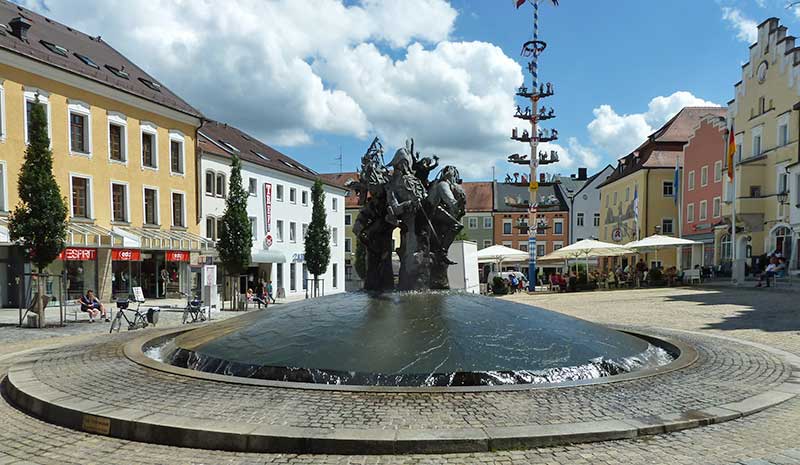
[[235, 235], [318, 237], [39, 221], [461, 236], [360, 260]]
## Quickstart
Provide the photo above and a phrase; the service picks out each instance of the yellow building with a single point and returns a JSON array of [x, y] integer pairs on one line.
[[765, 121], [124, 157], [645, 178]]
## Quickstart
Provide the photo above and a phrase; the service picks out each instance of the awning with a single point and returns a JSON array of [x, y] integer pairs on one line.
[[164, 239], [267, 256], [89, 235]]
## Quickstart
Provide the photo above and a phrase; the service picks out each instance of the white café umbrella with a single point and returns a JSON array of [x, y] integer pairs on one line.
[[500, 253], [587, 248], [656, 241]]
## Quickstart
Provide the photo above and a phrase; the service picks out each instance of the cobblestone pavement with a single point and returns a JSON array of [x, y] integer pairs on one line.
[[767, 437]]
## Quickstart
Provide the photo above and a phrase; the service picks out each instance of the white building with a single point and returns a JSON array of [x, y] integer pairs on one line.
[[279, 209], [583, 197]]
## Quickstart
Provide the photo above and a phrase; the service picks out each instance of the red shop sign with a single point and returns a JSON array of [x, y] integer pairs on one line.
[[181, 256], [78, 254], [126, 255], [267, 206]]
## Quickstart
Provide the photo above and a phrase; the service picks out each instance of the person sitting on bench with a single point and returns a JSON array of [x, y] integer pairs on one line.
[[92, 306]]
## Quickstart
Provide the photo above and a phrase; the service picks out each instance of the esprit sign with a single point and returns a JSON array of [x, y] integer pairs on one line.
[[267, 205], [173, 256], [77, 253], [126, 255]]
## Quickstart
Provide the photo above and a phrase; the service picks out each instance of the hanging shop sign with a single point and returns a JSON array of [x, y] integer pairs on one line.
[[126, 255], [267, 205], [177, 256], [268, 241], [78, 254]]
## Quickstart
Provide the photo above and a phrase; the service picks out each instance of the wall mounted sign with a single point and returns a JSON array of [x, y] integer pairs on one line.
[[616, 235], [78, 253], [177, 256], [126, 255], [267, 205]]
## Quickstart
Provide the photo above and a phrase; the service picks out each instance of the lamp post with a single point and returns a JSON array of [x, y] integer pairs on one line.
[[534, 114]]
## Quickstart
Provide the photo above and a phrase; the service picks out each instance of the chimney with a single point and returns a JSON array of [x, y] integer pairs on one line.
[[19, 27], [582, 174], [542, 177]]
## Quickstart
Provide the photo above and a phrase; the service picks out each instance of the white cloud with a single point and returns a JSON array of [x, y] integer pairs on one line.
[[746, 28], [620, 134]]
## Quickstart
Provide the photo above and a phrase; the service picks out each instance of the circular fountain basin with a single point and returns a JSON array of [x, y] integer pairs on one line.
[[411, 339]]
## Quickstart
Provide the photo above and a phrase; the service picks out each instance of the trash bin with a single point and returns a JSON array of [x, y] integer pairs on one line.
[[33, 320]]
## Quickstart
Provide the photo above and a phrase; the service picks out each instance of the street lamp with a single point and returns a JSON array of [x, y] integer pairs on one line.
[[783, 197]]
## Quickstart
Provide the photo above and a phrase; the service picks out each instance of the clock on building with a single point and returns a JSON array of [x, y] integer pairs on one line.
[[762, 72]]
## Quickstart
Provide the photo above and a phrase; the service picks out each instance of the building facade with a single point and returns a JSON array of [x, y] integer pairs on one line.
[[279, 208], [584, 203], [701, 188], [764, 115], [643, 183], [478, 220], [123, 155]]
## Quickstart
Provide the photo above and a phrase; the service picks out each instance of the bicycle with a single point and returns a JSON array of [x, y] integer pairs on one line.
[[141, 318], [194, 310]]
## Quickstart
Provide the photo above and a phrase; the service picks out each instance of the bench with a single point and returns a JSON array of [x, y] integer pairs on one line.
[[692, 276]]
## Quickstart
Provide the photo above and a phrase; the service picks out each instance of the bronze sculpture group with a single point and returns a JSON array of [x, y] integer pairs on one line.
[[427, 212]]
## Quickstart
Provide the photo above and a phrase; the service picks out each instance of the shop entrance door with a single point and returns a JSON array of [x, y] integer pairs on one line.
[[152, 285]]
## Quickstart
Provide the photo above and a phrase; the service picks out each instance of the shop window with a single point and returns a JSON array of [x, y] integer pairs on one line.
[[150, 206], [176, 156], [119, 202], [292, 231], [292, 276], [220, 191], [210, 180], [177, 210], [149, 147], [81, 204]]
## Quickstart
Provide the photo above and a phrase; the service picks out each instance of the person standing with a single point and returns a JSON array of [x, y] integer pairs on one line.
[[269, 292]]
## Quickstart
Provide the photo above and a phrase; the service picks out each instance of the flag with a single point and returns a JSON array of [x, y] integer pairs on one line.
[[676, 181], [519, 2], [731, 152], [636, 205]]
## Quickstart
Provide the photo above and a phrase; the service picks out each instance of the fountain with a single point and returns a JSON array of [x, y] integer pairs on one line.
[[421, 334]]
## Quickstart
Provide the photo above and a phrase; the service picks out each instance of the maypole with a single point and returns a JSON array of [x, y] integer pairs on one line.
[[534, 114]]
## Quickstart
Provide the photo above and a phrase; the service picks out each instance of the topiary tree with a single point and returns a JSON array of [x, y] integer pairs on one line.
[[318, 238], [39, 221], [235, 235]]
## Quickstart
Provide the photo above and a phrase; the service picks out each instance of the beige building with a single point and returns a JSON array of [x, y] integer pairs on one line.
[[764, 115]]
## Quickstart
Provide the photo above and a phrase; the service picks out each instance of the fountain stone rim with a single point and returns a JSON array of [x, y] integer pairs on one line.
[[134, 351]]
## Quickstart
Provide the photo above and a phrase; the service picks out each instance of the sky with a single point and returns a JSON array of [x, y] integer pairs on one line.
[[316, 78]]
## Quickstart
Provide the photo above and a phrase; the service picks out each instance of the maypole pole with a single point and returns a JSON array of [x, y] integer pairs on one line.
[[534, 114]]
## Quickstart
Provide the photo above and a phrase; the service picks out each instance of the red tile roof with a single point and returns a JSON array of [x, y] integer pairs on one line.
[[479, 196], [342, 179]]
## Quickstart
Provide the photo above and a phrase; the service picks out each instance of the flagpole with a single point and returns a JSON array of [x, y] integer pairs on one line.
[[734, 263], [679, 202]]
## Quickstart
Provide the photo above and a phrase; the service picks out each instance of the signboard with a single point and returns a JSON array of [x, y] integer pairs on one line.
[[177, 256], [210, 275], [267, 205], [616, 235], [126, 255], [78, 253], [533, 186], [268, 241], [298, 257], [138, 295]]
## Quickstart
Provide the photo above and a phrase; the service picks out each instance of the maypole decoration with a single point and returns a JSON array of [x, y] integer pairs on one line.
[[534, 114]]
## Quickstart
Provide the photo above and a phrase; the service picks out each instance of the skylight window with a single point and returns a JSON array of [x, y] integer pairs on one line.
[[229, 146], [151, 84], [118, 72], [55, 48], [260, 155], [287, 164], [86, 60]]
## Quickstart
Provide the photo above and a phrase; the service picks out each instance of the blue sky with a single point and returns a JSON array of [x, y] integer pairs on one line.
[[315, 76]]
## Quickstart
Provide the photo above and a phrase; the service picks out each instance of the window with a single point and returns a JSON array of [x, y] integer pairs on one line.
[[292, 276], [668, 189], [666, 226], [348, 244], [579, 219], [762, 105], [55, 48], [151, 84], [149, 148], [783, 183], [797, 189], [335, 236], [3, 195], [348, 219], [756, 141], [118, 72], [627, 194], [304, 197], [117, 137], [690, 181], [703, 214], [334, 204], [280, 275], [541, 249], [150, 206], [690, 213], [86, 60], [557, 245], [304, 230], [615, 198], [279, 192], [252, 186], [523, 246], [81, 204], [292, 231], [2, 112], [718, 171], [177, 210], [292, 195], [507, 227], [221, 185], [783, 130], [79, 128], [211, 224], [716, 207], [335, 271], [254, 227], [176, 154], [487, 222], [473, 222], [596, 220], [487, 243], [210, 180], [30, 99], [558, 227], [607, 197], [119, 202], [279, 230], [755, 191], [704, 176]]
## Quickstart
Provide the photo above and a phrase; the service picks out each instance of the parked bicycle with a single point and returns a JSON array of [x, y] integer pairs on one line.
[[194, 310], [141, 319]]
